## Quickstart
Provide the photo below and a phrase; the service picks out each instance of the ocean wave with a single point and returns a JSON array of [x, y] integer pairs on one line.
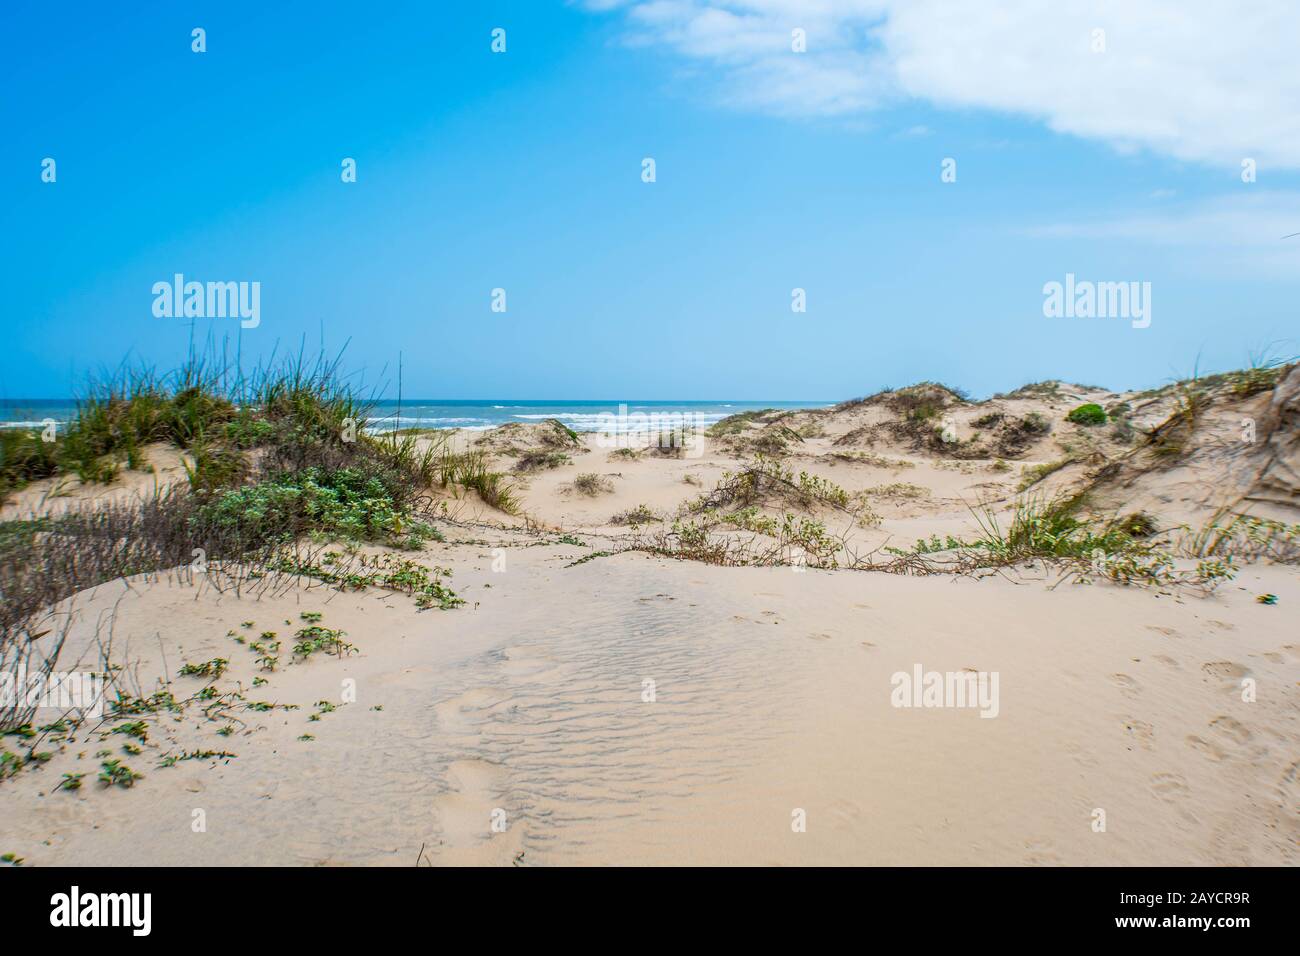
[[606, 416], [435, 422], [633, 422]]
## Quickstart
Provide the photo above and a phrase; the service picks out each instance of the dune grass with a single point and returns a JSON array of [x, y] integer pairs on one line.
[[278, 463], [591, 484]]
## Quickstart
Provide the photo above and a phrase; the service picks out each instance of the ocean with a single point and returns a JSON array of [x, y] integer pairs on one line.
[[582, 416]]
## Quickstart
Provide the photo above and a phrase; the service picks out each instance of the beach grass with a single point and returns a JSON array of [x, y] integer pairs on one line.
[[278, 464]]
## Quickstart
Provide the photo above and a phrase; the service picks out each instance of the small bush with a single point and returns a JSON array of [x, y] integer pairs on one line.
[[591, 485], [537, 459], [348, 503], [1035, 424], [641, 514], [1138, 525], [556, 434], [1087, 415]]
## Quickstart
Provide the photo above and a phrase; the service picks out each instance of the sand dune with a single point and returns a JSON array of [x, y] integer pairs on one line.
[[771, 695], [631, 708]]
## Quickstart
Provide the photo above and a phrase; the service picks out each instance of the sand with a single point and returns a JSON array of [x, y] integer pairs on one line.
[[634, 709], [772, 694]]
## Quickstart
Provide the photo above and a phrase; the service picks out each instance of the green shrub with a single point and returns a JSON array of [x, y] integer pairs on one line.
[[346, 503], [1087, 415]]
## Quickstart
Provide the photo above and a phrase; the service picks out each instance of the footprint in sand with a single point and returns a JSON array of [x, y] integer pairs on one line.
[[1224, 670], [459, 714], [1203, 746], [1166, 631], [1233, 729], [1140, 731], [819, 637], [465, 811], [1169, 786], [1165, 659], [868, 645], [1287, 782], [844, 813], [1127, 685]]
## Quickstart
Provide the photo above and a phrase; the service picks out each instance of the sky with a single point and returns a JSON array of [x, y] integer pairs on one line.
[[1110, 141]]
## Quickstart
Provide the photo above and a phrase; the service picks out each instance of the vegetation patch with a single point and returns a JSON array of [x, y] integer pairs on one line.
[[899, 489], [212, 669], [740, 422], [1051, 530], [1170, 440], [1087, 415], [591, 484], [538, 459], [641, 514], [924, 401], [1033, 474], [1246, 537], [1015, 435], [383, 571], [279, 462]]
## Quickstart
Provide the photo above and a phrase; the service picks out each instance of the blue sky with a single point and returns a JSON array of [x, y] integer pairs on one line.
[[522, 171]]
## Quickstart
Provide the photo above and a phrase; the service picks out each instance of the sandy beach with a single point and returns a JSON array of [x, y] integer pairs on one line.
[[599, 699], [772, 694]]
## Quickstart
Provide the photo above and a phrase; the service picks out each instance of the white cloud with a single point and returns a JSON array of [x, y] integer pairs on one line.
[[1201, 80], [1252, 218], [1238, 235]]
